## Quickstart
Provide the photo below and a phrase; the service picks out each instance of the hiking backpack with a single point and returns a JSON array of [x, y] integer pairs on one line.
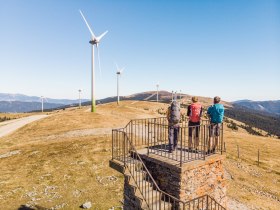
[[195, 112], [174, 117]]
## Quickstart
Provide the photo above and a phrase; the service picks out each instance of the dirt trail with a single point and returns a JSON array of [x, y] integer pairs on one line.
[[10, 126]]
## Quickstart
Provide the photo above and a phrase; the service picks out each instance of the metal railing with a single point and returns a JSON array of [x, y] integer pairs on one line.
[[154, 197], [137, 130], [193, 142], [204, 202]]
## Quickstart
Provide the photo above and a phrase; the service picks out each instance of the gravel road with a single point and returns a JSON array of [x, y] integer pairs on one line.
[[10, 126]]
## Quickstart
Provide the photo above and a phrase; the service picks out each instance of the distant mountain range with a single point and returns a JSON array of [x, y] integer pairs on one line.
[[25, 98], [23, 103], [269, 107], [19, 106]]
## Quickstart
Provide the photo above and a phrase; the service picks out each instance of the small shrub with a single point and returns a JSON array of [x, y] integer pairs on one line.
[[232, 125]]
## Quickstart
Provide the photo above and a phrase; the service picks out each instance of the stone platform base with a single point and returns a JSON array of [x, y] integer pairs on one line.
[[192, 180]]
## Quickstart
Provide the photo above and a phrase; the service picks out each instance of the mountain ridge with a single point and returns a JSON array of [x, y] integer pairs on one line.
[[25, 98], [270, 107]]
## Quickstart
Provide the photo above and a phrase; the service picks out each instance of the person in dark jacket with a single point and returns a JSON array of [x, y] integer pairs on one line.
[[216, 115], [173, 117]]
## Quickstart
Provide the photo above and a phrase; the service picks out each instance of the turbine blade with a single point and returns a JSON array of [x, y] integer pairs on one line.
[[100, 37], [121, 71], [98, 59], [117, 67], [87, 24]]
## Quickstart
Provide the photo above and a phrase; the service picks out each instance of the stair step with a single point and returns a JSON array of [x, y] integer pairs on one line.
[[142, 186], [138, 176], [144, 193], [150, 195], [117, 165], [157, 205], [135, 166], [150, 200]]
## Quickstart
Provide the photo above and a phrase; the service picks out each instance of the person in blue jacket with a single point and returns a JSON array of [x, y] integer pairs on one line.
[[216, 115]]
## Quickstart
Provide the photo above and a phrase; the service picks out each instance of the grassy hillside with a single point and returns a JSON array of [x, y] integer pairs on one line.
[[269, 123], [62, 161]]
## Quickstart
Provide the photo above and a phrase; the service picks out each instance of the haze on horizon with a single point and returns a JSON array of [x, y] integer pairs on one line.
[[205, 48]]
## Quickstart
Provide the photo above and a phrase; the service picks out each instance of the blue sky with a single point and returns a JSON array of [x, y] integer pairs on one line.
[[206, 48]]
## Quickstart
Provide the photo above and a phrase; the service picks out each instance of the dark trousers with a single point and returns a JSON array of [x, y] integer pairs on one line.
[[173, 134]]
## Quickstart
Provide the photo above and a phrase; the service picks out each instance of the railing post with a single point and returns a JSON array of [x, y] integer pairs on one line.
[[207, 202], [181, 146], [159, 200], [148, 152], [155, 132], [204, 141], [124, 149], [222, 138], [112, 144], [131, 131]]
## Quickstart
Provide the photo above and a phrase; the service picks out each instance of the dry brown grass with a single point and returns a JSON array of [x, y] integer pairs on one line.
[[56, 168], [257, 186]]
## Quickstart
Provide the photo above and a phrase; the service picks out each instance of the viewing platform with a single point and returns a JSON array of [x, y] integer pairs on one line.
[[190, 177]]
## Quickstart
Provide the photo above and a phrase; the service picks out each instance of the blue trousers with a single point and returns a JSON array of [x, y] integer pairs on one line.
[[173, 134]]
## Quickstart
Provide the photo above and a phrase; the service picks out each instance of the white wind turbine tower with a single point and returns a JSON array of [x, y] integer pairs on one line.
[[42, 101], [157, 90], [180, 95], [94, 41], [119, 72], [80, 104]]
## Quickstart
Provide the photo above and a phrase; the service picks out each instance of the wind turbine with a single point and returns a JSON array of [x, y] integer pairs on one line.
[[94, 41], [119, 72], [180, 95], [42, 101], [157, 91], [80, 104]]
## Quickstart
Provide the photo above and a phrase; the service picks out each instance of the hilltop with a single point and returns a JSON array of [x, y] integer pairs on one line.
[[260, 119], [62, 160]]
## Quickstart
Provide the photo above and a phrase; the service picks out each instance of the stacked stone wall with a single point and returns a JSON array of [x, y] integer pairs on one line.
[[207, 177], [192, 180]]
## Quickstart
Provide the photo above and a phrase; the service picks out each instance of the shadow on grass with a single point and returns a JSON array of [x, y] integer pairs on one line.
[[24, 207]]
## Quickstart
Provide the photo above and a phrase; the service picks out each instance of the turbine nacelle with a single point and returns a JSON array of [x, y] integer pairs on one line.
[[119, 71], [96, 40]]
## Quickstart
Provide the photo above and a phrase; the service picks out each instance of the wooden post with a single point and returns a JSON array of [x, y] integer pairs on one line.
[[224, 146], [258, 157], [238, 151]]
